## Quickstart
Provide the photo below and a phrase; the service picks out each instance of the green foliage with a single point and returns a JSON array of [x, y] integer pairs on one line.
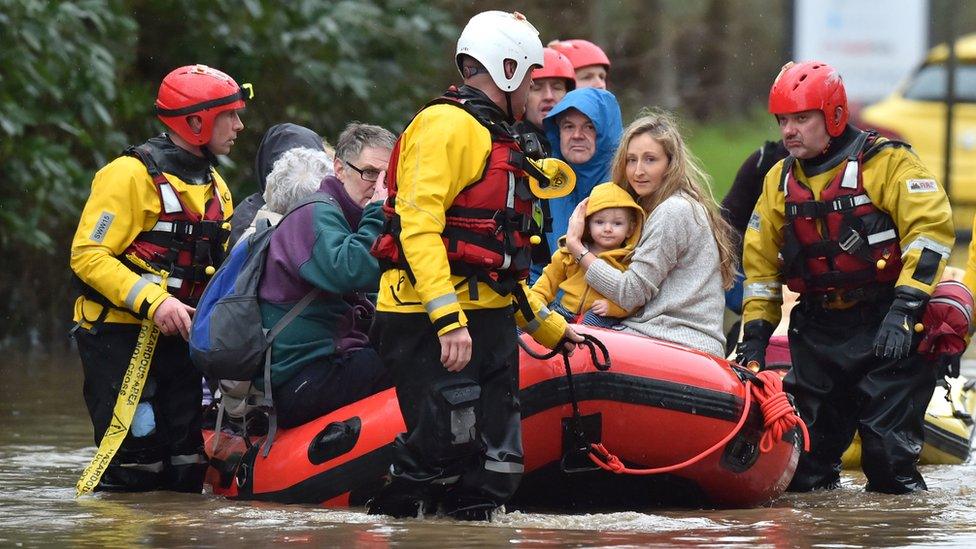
[[320, 64], [58, 80], [722, 146], [78, 79]]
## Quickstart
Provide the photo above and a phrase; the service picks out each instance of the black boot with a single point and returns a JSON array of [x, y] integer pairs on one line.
[[404, 499], [461, 507]]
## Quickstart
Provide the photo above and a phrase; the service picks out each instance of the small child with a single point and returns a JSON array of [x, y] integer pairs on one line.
[[614, 222]]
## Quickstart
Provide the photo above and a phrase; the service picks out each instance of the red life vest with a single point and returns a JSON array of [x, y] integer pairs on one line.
[[841, 241], [488, 226], [183, 243]]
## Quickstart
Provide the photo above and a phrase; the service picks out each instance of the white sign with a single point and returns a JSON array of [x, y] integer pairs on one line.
[[874, 45]]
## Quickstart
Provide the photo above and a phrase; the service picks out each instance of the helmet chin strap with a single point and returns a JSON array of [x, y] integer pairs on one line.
[[508, 106]]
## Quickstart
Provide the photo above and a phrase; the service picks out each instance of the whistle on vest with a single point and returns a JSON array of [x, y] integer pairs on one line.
[[550, 178]]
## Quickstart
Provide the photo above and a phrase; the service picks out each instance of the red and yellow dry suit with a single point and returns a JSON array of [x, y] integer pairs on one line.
[[901, 238], [463, 428], [130, 228]]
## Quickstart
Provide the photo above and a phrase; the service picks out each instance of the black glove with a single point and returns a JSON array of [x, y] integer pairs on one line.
[[755, 338], [949, 365], [894, 339]]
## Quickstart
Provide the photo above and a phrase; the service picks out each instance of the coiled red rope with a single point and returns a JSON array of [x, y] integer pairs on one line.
[[779, 417]]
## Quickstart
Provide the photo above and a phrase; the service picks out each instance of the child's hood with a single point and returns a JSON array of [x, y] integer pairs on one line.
[[610, 195]]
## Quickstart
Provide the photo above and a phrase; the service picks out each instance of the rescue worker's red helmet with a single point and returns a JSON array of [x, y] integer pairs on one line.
[[810, 86], [581, 53], [556, 65], [197, 90]]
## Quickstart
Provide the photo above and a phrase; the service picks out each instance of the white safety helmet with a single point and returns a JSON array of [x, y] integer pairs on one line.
[[491, 37]]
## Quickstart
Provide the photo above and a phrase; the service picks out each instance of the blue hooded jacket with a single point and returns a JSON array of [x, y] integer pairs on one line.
[[601, 107]]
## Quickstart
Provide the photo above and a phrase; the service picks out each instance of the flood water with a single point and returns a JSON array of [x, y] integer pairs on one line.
[[46, 440]]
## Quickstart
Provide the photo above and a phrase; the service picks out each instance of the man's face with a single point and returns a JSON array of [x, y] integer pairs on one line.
[[226, 127], [804, 133], [520, 96], [544, 93], [592, 76], [359, 175], [577, 137]]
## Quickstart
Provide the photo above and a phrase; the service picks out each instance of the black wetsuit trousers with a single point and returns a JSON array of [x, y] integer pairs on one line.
[[328, 385], [841, 387], [463, 428], [171, 456]]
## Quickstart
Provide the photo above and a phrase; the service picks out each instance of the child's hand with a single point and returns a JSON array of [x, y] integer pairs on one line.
[[601, 307]]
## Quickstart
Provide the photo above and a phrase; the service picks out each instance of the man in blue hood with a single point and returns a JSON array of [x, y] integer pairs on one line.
[[584, 130]]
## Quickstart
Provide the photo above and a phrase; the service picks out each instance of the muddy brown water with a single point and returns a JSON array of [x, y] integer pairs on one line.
[[46, 440]]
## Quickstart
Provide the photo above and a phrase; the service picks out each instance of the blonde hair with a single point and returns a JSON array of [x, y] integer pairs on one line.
[[684, 174]]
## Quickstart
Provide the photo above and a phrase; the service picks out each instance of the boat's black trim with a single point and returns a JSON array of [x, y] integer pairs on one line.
[[946, 441], [348, 477], [364, 470], [629, 389]]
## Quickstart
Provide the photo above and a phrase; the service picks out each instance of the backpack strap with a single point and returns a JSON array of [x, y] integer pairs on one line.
[[268, 401]]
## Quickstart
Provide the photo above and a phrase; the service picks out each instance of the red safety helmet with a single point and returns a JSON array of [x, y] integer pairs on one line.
[[199, 90], [581, 53], [556, 65], [808, 86]]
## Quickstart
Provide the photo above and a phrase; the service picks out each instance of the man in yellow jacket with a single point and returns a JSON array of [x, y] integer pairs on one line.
[[456, 252], [861, 229], [152, 232]]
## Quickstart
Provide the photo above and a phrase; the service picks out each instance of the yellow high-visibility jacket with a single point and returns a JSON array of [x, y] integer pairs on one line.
[[921, 213], [124, 202], [442, 151]]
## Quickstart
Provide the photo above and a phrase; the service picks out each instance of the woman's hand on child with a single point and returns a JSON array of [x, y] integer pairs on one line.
[[601, 307], [577, 224]]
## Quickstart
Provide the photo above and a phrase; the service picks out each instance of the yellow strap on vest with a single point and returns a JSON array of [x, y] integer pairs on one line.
[[125, 406]]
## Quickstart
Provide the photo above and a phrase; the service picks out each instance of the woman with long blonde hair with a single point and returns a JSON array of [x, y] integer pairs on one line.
[[684, 258]]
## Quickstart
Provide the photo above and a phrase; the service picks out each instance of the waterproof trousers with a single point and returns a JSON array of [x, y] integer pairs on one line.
[[841, 387], [463, 428], [164, 446], [329, 385]]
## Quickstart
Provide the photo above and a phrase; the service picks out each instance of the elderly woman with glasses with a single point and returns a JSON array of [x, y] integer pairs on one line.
[[322, 360], [362, 154]]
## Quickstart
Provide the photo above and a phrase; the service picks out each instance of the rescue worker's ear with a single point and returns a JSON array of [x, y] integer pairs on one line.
[[550, 178], [838, 114], [195, 123]]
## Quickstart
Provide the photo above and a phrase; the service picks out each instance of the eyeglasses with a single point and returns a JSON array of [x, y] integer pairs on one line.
[[368, 174]]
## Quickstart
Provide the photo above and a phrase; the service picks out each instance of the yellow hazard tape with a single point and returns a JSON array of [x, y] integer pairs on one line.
[[125, 407]]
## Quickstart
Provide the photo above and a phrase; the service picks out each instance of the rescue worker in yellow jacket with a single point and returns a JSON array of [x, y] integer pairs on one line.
[[455, 253], [860, 228], [158, 213]]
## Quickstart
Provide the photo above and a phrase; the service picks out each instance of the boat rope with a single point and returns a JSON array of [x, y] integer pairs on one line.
[[125, 405], [580, 440], [779, 416]]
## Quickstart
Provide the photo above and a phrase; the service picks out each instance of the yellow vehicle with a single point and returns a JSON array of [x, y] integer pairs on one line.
[[916, 112], [949, 433]]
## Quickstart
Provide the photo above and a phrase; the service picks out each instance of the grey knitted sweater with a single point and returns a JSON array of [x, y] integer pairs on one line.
[[673, 280]]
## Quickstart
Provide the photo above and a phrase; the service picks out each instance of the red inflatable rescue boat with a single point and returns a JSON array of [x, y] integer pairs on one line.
[[662, 425]]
